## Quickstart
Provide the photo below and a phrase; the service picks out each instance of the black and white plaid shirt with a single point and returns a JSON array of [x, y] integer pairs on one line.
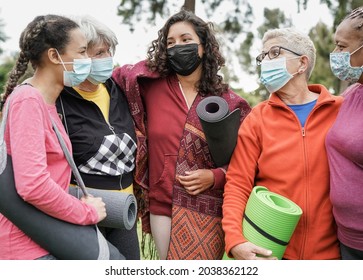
[[114, 157]]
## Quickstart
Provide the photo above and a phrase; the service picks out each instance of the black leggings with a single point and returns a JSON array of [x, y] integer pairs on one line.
[[350, 253], [126, 241]]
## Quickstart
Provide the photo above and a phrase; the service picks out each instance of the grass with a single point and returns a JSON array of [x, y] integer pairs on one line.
[[148, 256]]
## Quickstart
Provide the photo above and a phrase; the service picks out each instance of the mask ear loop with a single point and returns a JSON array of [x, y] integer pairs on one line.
[[356, 50], [297, 72], [63, 63]]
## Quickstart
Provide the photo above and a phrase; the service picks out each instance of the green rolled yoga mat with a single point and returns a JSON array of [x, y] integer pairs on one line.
[[270, 220]]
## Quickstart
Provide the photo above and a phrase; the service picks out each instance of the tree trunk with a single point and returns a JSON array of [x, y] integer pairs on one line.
[[189, 5]]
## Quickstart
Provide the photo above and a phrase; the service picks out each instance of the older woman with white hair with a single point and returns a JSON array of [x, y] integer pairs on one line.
[[99, 124], [281, 146]]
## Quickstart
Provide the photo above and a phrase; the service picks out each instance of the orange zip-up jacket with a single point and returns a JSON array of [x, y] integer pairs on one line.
[[274, 151]]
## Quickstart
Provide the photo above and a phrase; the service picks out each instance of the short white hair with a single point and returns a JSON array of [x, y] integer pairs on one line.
[[296, 41], [96, 32]]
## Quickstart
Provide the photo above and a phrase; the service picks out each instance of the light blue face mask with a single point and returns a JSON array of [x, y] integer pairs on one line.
[[101, 70], [81, 70], [341, 68], [274, 74]]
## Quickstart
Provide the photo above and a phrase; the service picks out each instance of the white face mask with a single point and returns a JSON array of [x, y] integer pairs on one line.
[[81, 70], [101, 70], [274, 74]]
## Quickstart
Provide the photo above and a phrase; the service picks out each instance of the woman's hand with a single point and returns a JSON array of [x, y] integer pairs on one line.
[[97, 203], [197, 181], [249, 251]]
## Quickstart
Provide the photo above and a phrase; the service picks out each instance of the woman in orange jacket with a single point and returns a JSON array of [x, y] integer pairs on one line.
[[281, 146]]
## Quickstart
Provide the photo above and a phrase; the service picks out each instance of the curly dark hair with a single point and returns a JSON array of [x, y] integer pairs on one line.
[[210, 82], [44, 32]]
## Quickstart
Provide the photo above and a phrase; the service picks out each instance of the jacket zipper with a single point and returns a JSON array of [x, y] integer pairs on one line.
[[303, 134], [306, 222], [306, 173]]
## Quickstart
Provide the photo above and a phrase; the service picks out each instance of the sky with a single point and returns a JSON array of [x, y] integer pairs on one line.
[[132, 47]]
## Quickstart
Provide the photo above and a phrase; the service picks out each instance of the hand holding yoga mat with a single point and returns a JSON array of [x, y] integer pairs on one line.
[[270, 220], [120, 207], [220, 127]]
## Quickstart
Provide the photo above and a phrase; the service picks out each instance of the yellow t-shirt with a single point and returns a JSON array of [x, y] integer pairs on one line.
[[100, 97], [129, 189]]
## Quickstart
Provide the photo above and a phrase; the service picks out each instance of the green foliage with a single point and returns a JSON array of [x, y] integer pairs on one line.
[[274, 18], [322, 37], [3, 36], [340, 8], [133, 11], [5, 69], [252, 98], [244, 56]]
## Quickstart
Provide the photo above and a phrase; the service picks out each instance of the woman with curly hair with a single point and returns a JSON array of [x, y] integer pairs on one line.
[[181, 185]]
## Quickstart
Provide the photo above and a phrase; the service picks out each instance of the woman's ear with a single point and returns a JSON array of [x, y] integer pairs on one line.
[[53, 56], [304, 63]]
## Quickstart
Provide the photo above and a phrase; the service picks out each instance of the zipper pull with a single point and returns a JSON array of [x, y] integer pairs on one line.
[[303, 132], [112, 129]]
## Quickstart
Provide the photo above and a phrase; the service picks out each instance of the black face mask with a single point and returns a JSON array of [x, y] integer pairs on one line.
[[184, 59]]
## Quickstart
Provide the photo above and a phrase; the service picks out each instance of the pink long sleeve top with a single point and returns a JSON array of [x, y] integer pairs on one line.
[[41, 172], [344, 144]]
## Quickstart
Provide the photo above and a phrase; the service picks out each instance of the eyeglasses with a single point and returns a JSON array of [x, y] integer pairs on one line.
[[272, 53]]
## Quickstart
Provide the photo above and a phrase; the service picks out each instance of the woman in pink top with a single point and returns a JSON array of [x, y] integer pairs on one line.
[[56, 48]]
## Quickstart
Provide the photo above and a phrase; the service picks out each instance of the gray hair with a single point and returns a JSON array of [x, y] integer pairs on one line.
[[96, 32], [297, 42]]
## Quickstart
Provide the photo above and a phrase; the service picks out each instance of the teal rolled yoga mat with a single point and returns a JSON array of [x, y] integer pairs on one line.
[[270, 220]]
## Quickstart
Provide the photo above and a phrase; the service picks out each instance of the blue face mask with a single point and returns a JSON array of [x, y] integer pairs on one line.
[[81, 70], [341, 68], [274, 74], [101, 70]]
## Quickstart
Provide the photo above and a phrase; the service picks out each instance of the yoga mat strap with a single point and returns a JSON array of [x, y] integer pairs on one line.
[[264, 233]]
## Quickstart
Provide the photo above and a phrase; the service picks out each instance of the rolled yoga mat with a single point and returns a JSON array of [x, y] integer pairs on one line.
[[270, 220], [63, 240], [220, 127], [121, 207]]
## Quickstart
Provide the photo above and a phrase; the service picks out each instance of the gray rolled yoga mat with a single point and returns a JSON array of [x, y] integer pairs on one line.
[[220, 127], [121, 207], [63, 240]]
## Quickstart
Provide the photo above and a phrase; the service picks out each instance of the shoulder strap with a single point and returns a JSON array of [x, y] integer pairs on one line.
[[69, 158], [2, 137]]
